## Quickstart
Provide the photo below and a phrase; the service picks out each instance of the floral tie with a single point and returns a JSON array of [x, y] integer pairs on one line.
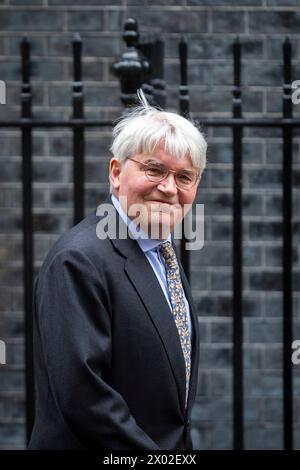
[[178, 306]]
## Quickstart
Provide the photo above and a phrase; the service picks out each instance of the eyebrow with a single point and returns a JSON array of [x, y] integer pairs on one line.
[[151, 160], [188, 170]]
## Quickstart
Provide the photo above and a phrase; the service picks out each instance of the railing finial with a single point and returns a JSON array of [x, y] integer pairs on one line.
[[133, 67]]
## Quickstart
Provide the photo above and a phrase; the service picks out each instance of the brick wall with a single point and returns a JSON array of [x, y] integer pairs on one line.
[[210, 27]]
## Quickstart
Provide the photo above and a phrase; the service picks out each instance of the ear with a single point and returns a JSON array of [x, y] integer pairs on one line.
[[114, 174]]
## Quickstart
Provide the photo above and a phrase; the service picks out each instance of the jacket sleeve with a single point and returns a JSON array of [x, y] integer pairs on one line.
[[74, 324]]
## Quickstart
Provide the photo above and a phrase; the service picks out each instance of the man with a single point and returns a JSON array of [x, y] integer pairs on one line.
[[116, 334]]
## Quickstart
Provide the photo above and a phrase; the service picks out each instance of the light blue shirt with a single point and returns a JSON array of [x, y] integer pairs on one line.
[[150, 248]]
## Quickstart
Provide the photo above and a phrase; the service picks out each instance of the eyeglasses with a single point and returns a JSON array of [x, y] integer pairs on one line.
[[156, 172]]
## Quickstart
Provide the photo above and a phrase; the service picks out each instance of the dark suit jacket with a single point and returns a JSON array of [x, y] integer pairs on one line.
[[109, 367]]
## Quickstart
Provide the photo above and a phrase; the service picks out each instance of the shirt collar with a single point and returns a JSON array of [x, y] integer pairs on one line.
[[145, 243]]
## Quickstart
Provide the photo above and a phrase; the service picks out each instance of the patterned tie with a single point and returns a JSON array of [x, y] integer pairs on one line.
[[178, 306]]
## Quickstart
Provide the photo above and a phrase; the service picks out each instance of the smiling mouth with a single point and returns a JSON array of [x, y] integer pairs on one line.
[[163, 207], [161, 202]]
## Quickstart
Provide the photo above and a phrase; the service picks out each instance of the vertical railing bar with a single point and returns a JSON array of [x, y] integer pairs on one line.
[[184, 98], [238, 411], [78, 133], [184, 109], [27, 234], [158, 82], [287, 134], [147, 50]]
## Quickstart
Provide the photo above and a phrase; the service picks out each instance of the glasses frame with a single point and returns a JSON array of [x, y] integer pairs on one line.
[[167, 174]]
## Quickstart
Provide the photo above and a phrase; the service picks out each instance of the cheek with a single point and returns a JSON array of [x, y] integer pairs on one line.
[[135, 189], [188, 198], [139, 187]]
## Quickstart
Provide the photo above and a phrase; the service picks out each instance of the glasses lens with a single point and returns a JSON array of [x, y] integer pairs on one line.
[[186, 179], [156, 172]]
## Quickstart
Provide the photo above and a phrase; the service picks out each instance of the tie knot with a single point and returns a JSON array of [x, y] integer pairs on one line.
[[169, 254]]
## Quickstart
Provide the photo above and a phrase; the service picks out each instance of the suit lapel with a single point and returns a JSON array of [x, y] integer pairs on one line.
[[147, 287]]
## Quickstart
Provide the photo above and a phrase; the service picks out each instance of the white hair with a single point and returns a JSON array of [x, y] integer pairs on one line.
[[144, 127]]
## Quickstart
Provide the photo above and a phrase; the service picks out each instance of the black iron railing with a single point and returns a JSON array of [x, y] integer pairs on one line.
[[142, 65]]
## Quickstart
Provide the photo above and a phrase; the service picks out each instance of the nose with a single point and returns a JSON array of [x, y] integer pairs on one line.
[[168, 185]]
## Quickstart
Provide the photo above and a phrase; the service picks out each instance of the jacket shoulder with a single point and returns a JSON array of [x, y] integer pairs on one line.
[[80, 238]]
